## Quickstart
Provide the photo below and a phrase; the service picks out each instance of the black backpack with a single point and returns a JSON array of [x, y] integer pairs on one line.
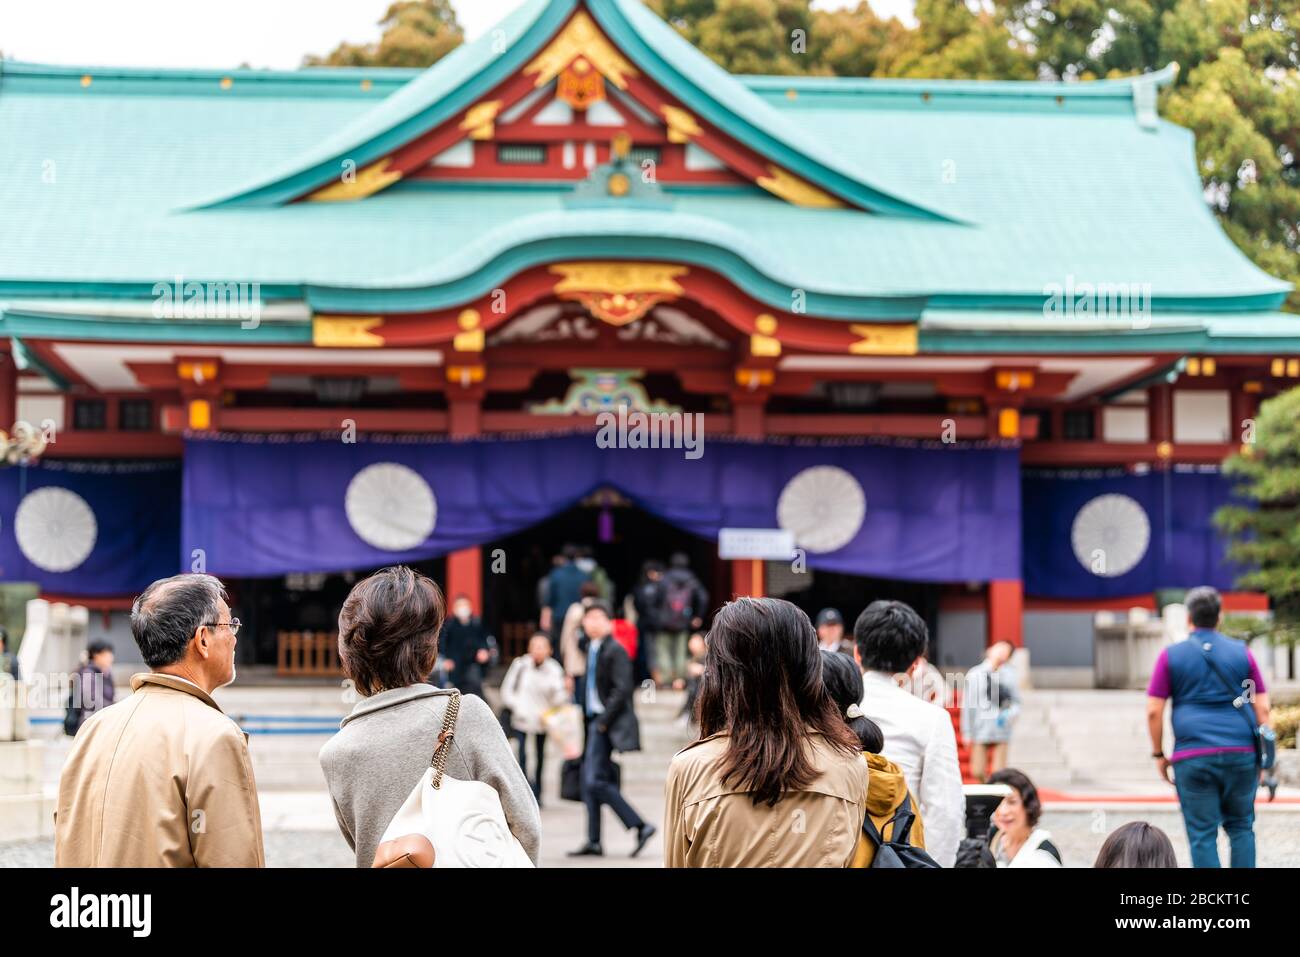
[[897, 851], [676, 613]]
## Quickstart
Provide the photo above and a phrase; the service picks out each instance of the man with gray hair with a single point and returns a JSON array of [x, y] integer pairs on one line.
[[163, 779]]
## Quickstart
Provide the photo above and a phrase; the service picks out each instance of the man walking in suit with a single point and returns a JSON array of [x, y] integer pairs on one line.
[[611, 726]]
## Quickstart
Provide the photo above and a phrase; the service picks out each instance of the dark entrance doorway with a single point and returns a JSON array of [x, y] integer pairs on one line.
[[622, 537], [850, 594], [302, 605]]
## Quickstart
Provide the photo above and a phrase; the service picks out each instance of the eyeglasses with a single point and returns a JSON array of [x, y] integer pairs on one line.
[[234, 625]]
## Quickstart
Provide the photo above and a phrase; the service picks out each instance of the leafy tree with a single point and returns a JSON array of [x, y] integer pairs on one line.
[[1238, 87], [417, 33], [1265, 531], [746, 36]]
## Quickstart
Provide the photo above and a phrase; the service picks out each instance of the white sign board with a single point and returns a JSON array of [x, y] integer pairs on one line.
[[768, 544]]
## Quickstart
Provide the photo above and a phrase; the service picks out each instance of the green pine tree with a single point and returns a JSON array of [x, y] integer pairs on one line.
[[1265, 529]]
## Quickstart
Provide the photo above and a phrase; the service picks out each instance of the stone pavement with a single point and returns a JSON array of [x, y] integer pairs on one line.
[[1087, 744]]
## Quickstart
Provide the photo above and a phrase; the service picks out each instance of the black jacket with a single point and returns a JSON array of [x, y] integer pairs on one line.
[[615, 686], [462, 642]]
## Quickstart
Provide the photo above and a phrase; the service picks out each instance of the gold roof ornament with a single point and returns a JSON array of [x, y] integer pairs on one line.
[[369, 180], [763, 342], [885, 339], [470, 338], [616, 277], [480, 120], [796, 191], [618, 292], [346, 332], [581, 38], [682, 125]]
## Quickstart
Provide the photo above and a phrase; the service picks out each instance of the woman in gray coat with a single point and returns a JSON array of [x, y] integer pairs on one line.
[[388, 640]]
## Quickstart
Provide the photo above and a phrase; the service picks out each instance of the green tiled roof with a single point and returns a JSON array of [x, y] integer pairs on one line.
[[985, 193]]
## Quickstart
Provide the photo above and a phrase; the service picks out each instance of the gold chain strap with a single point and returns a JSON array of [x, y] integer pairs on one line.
[[444, 739]]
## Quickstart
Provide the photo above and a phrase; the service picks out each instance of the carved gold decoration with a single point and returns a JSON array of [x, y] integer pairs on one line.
[[579, 85], [581, 38], [370, 180], [884, 340], [682, 126], [470, 338], [615, 277], [794, 190], [480, 120], [336, 332], [621, 145]]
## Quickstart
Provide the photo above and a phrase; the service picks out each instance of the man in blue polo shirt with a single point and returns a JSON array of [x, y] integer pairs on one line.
[[1219, 699]]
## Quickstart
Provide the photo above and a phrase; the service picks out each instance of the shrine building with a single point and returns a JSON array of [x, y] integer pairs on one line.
[[981, 346]]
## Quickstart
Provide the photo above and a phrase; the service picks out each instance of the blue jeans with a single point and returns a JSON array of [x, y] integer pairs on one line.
[[599, 785], [1219, 790]]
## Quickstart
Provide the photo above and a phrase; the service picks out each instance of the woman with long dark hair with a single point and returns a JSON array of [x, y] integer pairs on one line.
[[776, 778]]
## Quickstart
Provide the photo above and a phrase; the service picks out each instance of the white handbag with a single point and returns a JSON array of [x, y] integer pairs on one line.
[[463, 820]]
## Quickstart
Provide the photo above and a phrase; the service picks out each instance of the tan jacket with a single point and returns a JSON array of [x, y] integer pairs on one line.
[[162, 779], [711, 824]]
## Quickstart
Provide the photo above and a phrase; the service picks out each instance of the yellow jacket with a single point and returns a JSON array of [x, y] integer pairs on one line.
[[162, 779], [886, 788]]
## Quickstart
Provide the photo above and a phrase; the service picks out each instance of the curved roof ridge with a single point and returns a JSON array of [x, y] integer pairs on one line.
[[698, 81], [1113, 88], [437, 93], [454, 83]]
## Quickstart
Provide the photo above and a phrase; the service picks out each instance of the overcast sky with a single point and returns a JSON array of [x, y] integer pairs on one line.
[[199, 33]]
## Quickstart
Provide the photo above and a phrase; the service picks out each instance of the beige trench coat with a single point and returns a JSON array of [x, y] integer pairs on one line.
[[161, 779], [709, 823]]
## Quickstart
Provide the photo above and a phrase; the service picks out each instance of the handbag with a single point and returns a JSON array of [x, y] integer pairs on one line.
[[463, 820], [1264, 738]]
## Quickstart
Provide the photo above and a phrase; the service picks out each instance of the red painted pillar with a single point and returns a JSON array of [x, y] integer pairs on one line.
[[747, 579], [465, 577], [1006, 612], [8, 390]]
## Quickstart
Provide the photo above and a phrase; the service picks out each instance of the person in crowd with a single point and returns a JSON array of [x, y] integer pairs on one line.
[[572, 657], [1017, 840], [533, 685], [561, 591], [1136, 844], [163, 778], [8, 659], [886, 786], [890, 642], [388, 639], [1219, 703], [698, 649], [647, 597], [585, 560], [989, 708], [92, 687], [776, 778], [682, 603], [611, 726], [466, 648], [830, 631], [927, 683]]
